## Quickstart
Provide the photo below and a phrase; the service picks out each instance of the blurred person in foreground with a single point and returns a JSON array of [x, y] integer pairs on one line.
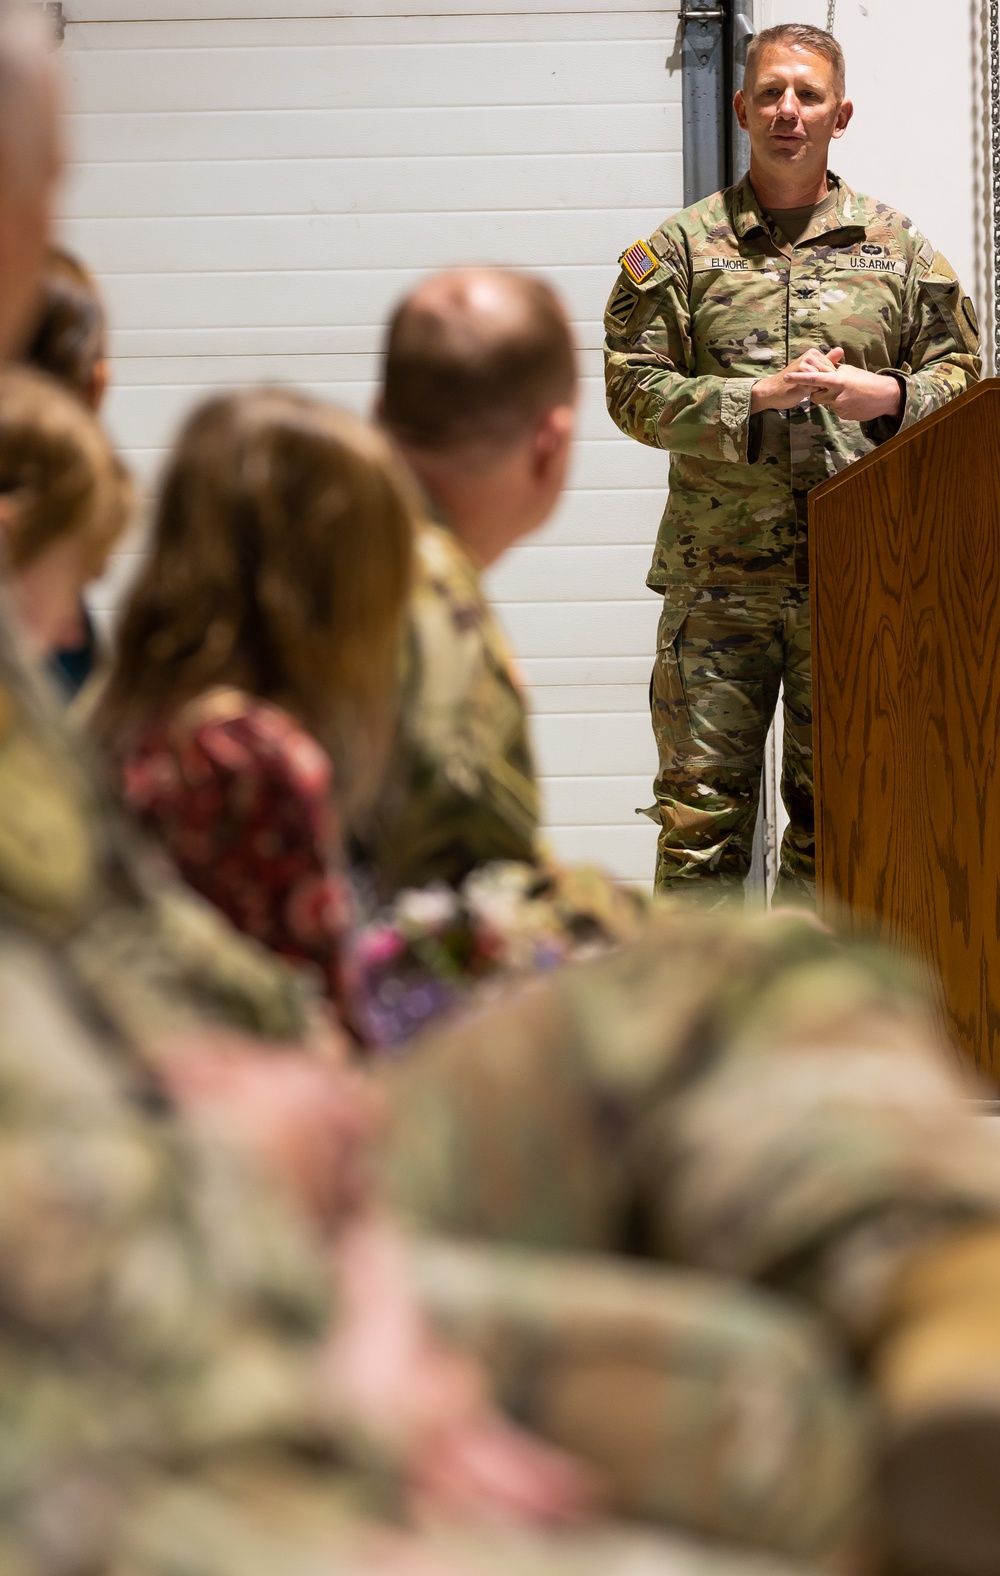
[[174, 1395], [69, 342], [479, 394]]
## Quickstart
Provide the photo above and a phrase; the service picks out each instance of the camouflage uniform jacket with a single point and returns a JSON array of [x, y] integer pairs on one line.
[[461, 783], [726, 301]]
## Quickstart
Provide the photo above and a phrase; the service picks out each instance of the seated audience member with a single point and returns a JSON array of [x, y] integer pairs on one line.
[[64, 501], [479, 396], [251, 694], [479, 393], [69, 342]]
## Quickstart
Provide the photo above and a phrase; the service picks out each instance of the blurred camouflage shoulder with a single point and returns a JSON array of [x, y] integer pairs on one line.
[[460, 786], [719, 1092], [163, 1309]]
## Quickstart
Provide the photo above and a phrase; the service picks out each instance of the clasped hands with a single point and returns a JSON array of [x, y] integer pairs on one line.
[[825, 379]]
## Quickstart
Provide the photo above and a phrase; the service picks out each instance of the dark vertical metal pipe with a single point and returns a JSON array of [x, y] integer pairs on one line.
[[741, 32], [704, 79], [716, 34]]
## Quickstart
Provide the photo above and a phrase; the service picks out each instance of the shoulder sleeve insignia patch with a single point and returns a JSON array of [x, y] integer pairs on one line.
[[624, 299], [639, 262]]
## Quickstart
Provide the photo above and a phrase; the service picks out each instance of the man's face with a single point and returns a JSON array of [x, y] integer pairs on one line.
[[792, 110], [28, 180]]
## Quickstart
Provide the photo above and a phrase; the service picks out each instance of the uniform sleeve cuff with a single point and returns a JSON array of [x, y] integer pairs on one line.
[[735, 417], [885, 427]]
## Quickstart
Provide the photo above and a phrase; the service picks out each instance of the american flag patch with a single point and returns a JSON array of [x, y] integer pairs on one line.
[[639, 262]]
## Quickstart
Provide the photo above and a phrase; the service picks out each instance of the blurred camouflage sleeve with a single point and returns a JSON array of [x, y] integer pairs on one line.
[[661, 1378], [939, 349], [733, 1094], [653, 393], [162, 1316]]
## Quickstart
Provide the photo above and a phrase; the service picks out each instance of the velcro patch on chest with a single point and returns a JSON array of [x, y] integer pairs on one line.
[[639, 262], [728, 265], [718, 263], [862, 263]]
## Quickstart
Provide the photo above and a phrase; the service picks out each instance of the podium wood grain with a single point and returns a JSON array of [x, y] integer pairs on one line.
[[905, 566]]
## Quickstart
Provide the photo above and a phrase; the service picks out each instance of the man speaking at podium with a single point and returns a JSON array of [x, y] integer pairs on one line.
[[768, 337]]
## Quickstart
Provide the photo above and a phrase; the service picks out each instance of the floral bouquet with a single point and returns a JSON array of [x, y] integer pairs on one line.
[[434, 946]]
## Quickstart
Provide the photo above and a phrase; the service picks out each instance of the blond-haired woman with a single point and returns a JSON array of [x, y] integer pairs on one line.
[[251, 696]]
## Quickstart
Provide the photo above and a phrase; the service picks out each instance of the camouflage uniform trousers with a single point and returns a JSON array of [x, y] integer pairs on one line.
[[750, 1099], [721, 656]]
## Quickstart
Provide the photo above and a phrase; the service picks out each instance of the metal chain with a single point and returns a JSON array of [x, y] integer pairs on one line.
[[995, 168], [831, 14]]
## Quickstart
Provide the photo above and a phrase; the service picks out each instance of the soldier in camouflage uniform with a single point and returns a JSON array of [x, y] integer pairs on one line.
[[767, 337], [479, 390], [177, 1389]]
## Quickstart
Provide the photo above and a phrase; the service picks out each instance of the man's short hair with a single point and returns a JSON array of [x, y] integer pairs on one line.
[[798, 35], [457, 375]]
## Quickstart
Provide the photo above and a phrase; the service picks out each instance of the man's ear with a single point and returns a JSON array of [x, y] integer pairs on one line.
[[553, 437], [740, 106], [844, 117]]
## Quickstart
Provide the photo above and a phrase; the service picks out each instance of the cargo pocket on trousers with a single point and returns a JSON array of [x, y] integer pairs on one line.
[[668, 702]]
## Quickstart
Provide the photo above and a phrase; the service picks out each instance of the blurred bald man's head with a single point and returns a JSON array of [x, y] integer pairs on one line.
[[478, 391], [30, 163]]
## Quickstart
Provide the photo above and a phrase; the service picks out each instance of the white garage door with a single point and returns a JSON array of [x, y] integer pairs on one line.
[[255, 193]]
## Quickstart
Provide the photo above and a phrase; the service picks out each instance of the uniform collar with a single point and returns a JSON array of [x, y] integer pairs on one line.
[[849, 213]]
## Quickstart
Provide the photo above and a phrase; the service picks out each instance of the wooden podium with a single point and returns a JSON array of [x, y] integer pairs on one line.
[[905, 566]]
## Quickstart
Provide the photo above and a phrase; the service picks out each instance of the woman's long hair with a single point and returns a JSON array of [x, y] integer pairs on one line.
[[59, 475], [280, 564]]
